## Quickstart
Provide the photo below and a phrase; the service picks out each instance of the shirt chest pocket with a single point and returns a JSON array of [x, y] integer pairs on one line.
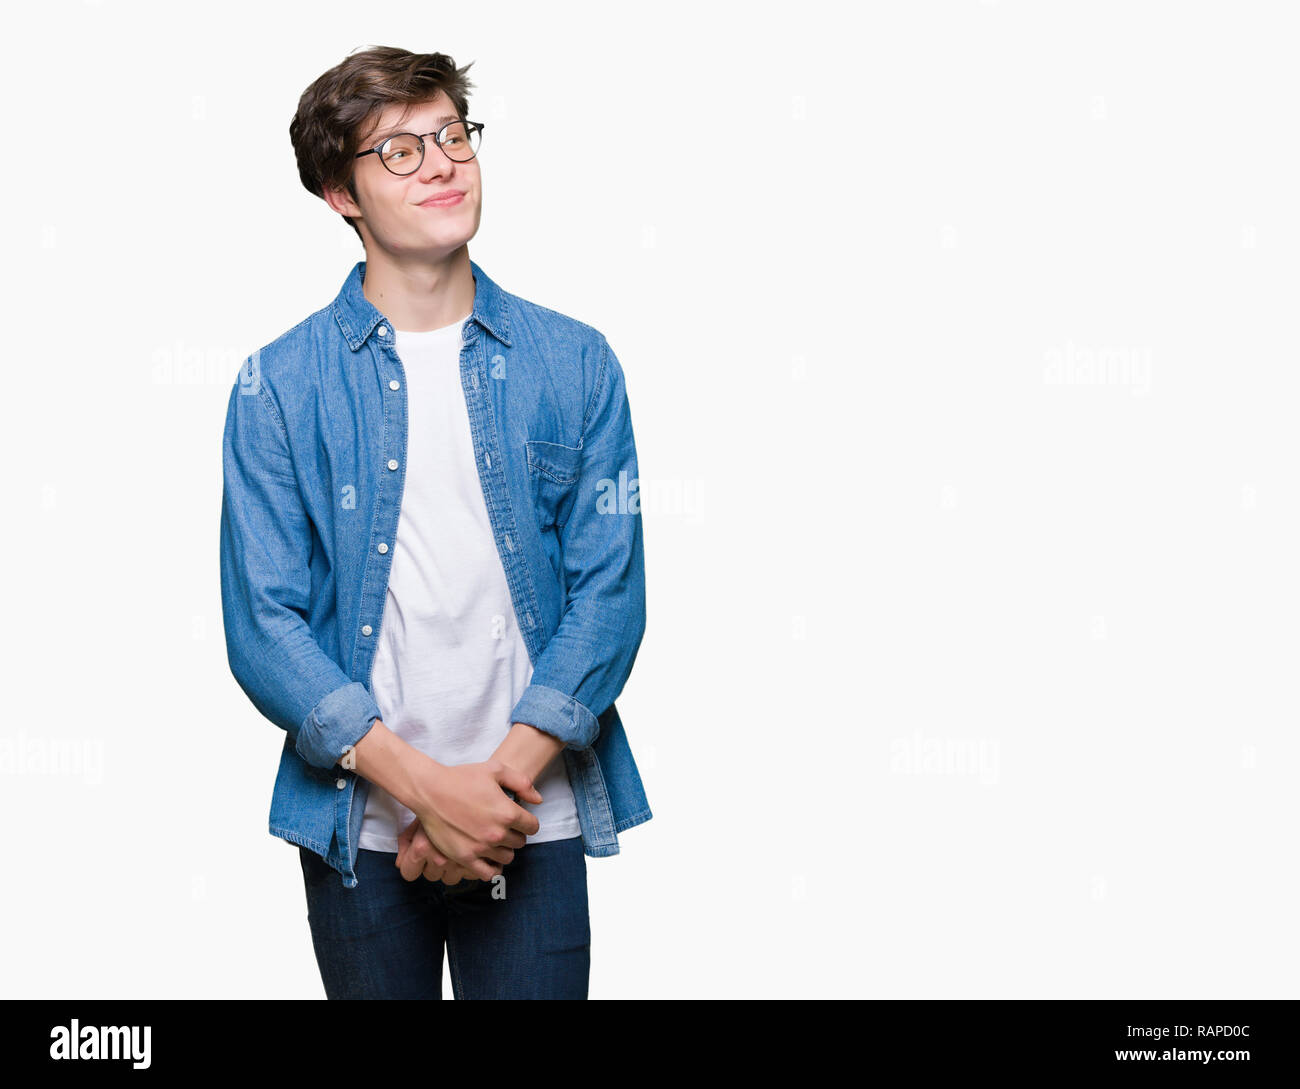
[[553, 471]]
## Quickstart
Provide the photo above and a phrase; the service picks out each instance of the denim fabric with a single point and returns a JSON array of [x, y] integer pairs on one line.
[[523, 935], [314, 459]]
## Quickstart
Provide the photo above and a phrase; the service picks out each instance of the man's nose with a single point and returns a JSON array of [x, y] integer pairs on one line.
[[436, 164]]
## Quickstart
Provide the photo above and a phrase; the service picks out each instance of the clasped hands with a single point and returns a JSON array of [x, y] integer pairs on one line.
[[466, 826]]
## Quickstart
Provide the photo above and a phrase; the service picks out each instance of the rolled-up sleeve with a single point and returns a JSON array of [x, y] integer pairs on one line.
[[587, 661], [266, 586]]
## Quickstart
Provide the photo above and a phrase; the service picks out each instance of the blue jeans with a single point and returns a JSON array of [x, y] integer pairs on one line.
[[384, 938]]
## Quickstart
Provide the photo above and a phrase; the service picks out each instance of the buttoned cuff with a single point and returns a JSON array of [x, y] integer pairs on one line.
[[558, 714], [338, 721]]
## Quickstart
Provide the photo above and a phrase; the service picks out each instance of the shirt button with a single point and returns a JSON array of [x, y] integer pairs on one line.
[[383, 547], [392, 463], [383, 330], [367, 629], [394, 384], [487, 458], [341, 783]]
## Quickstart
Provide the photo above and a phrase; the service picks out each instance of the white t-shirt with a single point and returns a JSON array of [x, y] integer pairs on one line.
[[450, 664]]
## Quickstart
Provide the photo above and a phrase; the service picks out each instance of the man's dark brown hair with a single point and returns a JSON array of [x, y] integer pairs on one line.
[[341, 105]]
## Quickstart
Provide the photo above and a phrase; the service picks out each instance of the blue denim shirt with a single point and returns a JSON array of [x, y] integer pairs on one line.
[[314, 459]]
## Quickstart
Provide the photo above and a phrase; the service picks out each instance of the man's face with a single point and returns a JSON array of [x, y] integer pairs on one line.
[[393, 214]]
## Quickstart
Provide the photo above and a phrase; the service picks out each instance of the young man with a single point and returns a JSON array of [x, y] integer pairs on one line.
[[432, 571]]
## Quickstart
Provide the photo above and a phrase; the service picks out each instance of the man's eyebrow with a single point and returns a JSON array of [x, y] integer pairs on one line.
[[439, 121]]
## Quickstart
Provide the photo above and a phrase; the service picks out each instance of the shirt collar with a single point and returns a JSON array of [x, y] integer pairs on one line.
[[358, 317]]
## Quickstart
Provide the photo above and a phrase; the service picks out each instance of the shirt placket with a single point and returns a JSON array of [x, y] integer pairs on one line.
[[595, 813], [491, 475], [391, 481]]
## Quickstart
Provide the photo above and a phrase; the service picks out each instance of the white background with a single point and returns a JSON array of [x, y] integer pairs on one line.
[[961, 345]]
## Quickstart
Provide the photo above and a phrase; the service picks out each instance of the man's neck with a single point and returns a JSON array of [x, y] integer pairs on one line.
[[419, 297]]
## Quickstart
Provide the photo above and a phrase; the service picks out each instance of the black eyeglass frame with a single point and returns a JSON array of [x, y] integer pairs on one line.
[[437, 139]]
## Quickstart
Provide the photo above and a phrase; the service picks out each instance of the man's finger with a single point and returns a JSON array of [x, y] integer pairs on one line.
[[517, 781]]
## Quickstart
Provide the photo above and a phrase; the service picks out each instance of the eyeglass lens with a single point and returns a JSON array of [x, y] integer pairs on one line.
[[401, 153]]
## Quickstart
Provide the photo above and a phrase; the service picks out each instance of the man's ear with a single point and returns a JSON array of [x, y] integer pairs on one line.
[[341, 201]]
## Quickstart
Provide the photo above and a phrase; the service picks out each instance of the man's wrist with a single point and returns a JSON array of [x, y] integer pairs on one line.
[[402, 770], [528, 749]]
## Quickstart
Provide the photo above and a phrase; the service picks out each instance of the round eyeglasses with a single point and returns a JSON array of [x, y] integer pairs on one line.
[[403, 153]]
